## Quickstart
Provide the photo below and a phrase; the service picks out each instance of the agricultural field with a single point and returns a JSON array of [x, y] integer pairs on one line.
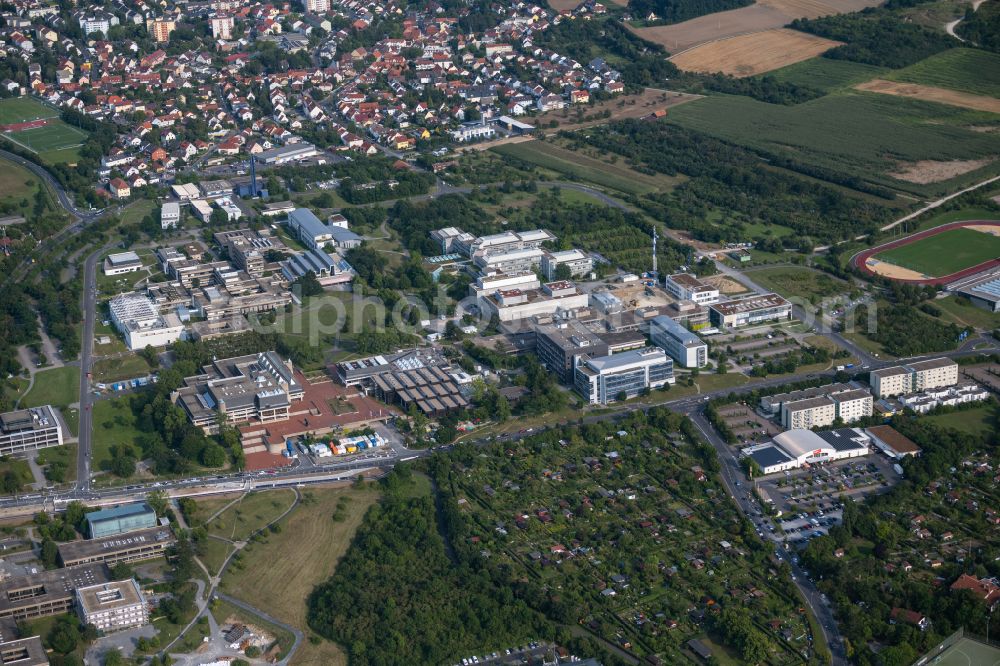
[[760, 16], [862, 134], [278, 573], [576, 165], [968, 70], [826, 74], [931, 94], [944, 253], [756, 53], [24, 109]]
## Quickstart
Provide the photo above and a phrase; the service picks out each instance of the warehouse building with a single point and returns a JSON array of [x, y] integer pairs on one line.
[[144, 544], [795, 448], [23, 652], [688, 287], [914, 377], [29, 429], [432, 390], [120, 519], [681, 344], [891, 442], [750, 311], [605, 379], [113, 606], [121, 263], [984, 293], [285, 154], [47, 592], [140, 322]]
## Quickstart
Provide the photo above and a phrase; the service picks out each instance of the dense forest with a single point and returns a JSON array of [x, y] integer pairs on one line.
[[728, 178], [982, 27], [903, 330], [675, 11], [876, 37]]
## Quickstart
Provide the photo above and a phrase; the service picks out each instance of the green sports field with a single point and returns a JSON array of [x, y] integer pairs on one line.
[[967, 652], [944, 253], [22, 109], [55, 136]]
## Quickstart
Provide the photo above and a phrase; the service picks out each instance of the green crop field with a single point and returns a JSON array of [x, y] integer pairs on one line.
[[944, 253], [57, 135], [968, 70], [21, 109], [826, 74], [854, 133]]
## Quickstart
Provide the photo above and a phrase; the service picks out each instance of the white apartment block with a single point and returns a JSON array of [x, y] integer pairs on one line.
[[914, 377], [688, 287], [822, 411], [113, 606]]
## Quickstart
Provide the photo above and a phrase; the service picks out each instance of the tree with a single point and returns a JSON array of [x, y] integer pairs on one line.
[[213, 455], [158, 501], [252, 651], [563, 272], [309, 285], [49, 555], [9, 483], [218, 217]]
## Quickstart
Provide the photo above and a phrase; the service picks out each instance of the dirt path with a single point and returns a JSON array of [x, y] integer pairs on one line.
[[950, 27]]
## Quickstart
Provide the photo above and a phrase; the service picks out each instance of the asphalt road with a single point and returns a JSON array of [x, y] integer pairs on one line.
[[86, 359]]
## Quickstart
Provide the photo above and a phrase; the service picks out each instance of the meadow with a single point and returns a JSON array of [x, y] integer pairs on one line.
[[944, 253], [854, 133], [22, 109]]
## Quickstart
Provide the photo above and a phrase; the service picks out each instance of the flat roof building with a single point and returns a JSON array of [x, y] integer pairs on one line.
[[893, 443], [290, 153], [795, 448], [688, 287], [23, 652], [122, 262], [681, 344], [170, 215], [143, 544], [559, 347], [47, 592], [113, 606], [606, 379], [822, 410], [29, 429], [120, 519], [578, 263], [914, 377], [750, 311], [140, 322]]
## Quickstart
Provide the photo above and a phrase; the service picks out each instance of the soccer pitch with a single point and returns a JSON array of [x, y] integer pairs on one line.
[[57, 135], [23, 109], [944, 253], [966, 652]]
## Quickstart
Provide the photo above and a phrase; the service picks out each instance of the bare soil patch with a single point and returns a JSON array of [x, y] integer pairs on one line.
[[725, 285], [756, 53], [893, 271], [934, 171], [563, 5], [932, 94], [763, 15], [645, 103]]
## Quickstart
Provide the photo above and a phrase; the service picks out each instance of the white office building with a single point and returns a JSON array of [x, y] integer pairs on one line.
[[606, 379], [113, 606], [139, 320], [681, 344], [577, 261], [122, 262], [170, 215], [688, 287]]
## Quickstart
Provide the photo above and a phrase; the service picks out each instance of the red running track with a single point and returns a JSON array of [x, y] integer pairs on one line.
[[860, 260], [30, 124]]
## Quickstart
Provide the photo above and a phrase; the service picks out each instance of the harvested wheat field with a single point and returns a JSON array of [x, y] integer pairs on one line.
[[752, 54], [763, 15], [935, 171], [932, 94]]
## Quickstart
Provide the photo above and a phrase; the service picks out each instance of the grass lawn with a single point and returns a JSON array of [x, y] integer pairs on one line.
[[279, 575], [23, 109], [251, 513], [17, 184], [215, 555], [575, 164], [135, 211], [122, 367], [978, 421], [826, 74], [56, 386], [969, 70], [20, 469], [955, 216], [863, 134], [223, 610], [944, 253], [961, 311], [64, 455], [114, 423], [804, 283], [61, 155]]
